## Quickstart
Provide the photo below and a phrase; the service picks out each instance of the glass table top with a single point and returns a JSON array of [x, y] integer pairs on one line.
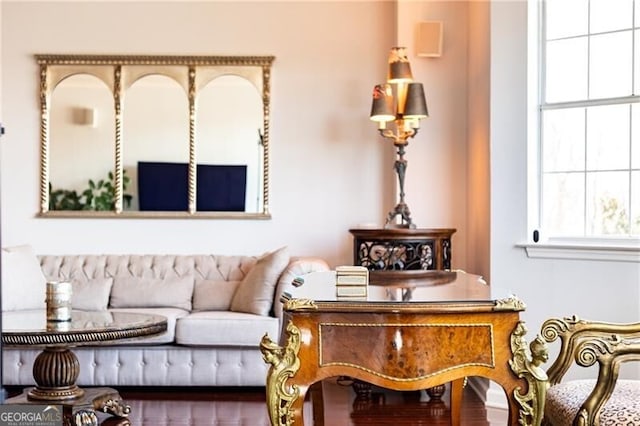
[[421, 286], [32, 327]]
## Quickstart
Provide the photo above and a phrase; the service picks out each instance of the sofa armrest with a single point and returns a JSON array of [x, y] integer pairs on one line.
[[298, 266]]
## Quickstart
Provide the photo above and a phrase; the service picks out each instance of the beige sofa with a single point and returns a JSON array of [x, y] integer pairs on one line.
[[218, 308]]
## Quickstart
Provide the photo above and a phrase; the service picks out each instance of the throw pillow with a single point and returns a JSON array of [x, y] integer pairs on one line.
[[92, 294], [23, 283], [213, 295], [255, 292], [134, 292]]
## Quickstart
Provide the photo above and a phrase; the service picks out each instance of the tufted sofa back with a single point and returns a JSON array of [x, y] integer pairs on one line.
[[223, 271], [202, 267]]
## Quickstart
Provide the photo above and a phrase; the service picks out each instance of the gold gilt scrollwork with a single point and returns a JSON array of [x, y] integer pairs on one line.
[[552, 330], [525, 364], [554, 327], [511, 303], [113, 406], [284, 364], [604, 351], [297, 304], [85, 418]]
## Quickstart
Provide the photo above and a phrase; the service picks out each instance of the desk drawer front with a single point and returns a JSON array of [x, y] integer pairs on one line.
[[406, 352]]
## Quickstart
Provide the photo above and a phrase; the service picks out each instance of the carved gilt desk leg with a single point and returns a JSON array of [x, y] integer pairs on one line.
[[112, 404], [284, 364], [525, 364], [85, 418]]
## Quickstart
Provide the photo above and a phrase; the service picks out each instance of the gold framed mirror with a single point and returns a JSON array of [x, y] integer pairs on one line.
[[154, 136]]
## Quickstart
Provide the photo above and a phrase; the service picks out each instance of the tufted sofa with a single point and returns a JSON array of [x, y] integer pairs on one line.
[[218, 308]]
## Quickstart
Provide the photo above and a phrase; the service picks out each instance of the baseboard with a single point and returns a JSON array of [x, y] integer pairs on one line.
[[496, 398], [490, 393], [479, 387]]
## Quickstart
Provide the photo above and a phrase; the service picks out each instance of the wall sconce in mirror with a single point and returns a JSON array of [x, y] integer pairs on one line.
[[154, 136], [399, 103]]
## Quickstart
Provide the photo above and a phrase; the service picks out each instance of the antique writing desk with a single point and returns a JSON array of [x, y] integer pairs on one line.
[[410, 335]]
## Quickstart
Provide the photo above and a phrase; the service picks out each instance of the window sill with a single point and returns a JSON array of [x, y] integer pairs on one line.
[[583, 251]]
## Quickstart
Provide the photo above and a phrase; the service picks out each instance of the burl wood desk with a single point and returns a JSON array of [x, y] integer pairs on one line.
[[403, 337]]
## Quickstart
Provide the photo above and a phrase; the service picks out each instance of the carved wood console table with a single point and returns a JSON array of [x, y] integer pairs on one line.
[[402, 338], [57, 368]]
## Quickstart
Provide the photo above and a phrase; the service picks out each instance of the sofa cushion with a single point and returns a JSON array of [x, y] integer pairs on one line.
[[225, 328], [255, 292], [91, 295], [168, 292], [168, 336], [23, 283], [213, 295]]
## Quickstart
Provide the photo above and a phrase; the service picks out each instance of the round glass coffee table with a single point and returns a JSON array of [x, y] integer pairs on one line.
[[56, 368]]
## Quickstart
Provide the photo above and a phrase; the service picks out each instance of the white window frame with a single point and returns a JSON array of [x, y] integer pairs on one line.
[[622, 248]]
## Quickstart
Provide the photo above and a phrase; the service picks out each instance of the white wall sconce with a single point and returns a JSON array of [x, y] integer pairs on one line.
[[429, 39], [85, 116]]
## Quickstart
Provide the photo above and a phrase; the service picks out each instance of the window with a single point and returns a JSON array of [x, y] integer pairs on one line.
[[589, 119]]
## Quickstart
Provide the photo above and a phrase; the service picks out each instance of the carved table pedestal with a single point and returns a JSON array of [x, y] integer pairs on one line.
[[56, 368]]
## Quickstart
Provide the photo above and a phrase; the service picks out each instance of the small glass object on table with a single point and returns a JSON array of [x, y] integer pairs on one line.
[[58, 301]]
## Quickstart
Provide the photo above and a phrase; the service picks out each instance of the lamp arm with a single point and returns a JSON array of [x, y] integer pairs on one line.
[[399, 136], [387, 133]]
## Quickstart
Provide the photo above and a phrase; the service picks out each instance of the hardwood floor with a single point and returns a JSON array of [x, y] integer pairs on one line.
[[184, 407]]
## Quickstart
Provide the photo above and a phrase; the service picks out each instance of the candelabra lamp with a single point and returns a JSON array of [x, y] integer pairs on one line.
[[398, 106]]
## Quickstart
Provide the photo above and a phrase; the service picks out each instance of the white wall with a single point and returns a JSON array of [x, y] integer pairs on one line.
[[478, 213], [437, 170], [325, 165], [330, 170], [591, 289], [1, 2]]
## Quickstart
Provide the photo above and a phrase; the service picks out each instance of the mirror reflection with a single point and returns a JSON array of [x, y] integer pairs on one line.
[[137, 136], [156, 130], [230, 109], [86, 137]]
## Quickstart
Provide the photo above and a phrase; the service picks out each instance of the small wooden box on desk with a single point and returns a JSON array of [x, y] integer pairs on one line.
[[402, 253]]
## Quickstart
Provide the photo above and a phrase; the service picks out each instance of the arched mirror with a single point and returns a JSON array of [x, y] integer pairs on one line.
[[154, 136], [230, 109], [84, 144], [155, 119]]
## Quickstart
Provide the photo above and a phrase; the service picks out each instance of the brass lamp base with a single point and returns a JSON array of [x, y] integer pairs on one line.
[[401, 209]]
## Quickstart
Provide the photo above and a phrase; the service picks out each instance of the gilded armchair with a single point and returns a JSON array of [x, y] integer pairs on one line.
[[602, 401]]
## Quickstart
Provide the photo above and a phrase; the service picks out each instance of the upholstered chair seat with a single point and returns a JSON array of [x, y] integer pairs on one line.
[[592, 402], [565, 399]]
